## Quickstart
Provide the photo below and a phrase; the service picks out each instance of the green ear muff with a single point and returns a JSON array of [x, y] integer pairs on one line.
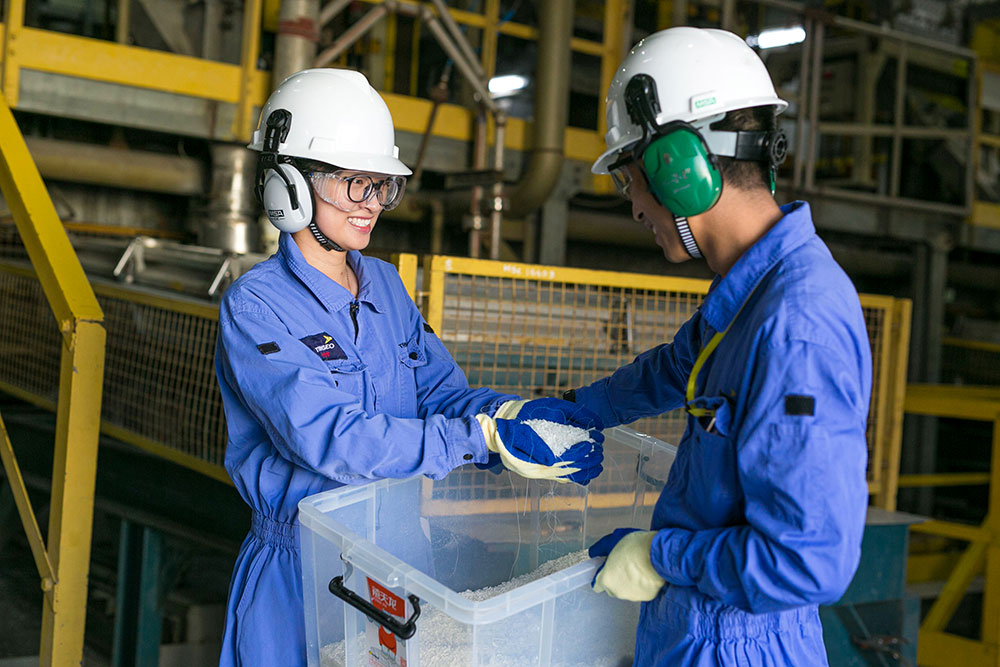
[[681, 172]]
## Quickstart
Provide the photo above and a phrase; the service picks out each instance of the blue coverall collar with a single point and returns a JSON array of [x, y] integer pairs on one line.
[[332, 296], [728, 293]]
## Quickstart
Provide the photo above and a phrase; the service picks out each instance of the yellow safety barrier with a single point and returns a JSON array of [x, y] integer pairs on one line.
[[539, 330], [160, 391], [79, 336], [982, 556]]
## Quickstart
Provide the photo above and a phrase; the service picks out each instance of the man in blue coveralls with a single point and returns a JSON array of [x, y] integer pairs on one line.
[[762, 514]]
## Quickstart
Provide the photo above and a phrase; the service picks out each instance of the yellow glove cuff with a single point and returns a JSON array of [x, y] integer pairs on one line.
[[628, 574], [556, 472], [509, 409]]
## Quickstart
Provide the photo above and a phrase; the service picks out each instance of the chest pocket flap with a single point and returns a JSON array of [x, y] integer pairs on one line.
[[411, 353]]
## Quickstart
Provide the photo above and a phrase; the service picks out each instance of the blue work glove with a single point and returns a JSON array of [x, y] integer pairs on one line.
[[524, 451], [628, 572], [547, 409], [554, 410]]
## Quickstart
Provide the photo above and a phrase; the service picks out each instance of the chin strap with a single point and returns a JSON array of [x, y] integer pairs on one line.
[[687, 238], [321, 239]]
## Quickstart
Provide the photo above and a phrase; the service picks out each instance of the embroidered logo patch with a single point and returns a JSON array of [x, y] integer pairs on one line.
[[268, 348], [324, 346]]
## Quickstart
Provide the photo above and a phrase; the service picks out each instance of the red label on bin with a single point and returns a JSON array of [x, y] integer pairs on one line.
[[384, 599]]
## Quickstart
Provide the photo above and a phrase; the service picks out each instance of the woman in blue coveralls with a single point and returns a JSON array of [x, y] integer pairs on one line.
[[329, 375], [761, 517]]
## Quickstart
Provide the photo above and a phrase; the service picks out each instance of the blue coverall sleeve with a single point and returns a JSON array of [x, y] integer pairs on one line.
[[318, 426], [803, 478], [442, 387], [652, 384]]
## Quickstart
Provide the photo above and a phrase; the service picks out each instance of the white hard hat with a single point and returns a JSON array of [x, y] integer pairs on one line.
[[336, 118], [699, 73]]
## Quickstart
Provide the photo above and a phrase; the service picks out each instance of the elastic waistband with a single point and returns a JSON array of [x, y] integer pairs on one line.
[[278, 533], [724, 622]]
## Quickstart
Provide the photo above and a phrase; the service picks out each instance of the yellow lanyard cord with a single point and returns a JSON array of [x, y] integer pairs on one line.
[[703, 356], [706, 352]]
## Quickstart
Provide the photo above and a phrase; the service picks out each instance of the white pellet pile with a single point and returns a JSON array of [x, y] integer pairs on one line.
[[559, 437], [444, 641]]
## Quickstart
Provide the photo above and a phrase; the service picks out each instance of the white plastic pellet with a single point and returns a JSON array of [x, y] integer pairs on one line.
[[443, 640], [559, 437]]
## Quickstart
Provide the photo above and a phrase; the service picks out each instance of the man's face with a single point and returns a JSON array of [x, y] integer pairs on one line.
[[655, 217]]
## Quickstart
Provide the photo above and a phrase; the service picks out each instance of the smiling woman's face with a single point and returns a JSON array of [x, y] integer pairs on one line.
[[348, 224]]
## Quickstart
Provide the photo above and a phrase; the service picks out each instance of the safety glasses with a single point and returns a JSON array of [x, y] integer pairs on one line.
[[333, 187], [621, 175]]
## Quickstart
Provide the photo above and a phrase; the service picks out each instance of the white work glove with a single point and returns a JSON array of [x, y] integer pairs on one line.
[[628, 572]]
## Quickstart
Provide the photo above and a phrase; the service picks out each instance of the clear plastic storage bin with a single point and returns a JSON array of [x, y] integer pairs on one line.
[[393, 543]]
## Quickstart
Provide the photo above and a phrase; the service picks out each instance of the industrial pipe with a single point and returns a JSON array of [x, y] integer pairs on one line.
[[354, 33], [555, 28], [496, 210], [459, 37], [298, 33], [117, 167], [467, 70], [331, 9]]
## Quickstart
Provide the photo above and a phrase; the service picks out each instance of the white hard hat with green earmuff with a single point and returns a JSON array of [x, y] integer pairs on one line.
[[328, 116], [668, 91]]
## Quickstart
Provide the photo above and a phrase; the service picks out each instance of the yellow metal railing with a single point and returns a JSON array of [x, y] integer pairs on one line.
[[160, 391], [982, 556], [987, 140], [539, 330], [62, 564]]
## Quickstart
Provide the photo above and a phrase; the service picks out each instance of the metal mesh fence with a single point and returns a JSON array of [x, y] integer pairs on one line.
[[539, 337], [970, 362], [159, 379], [529, 336]]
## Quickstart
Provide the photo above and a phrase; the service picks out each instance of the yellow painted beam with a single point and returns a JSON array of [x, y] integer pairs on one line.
[[969, 565], [74, 473], [63, 281], [972, 345], [195, 463], [922, 568], [406, 265], [945, 479], [13, 50], [434, 270], [939, 649], [410, 114], [958, 531], [243, 122], [491, 268], [98, 60], [27, 514], [892, 421], [612, 51], [977, 403], [985, 214]]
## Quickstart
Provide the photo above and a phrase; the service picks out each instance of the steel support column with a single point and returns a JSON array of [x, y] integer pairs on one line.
[[138, 611]]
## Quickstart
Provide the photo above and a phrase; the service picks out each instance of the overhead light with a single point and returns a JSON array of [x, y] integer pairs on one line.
[[775, 37], [507, 84]]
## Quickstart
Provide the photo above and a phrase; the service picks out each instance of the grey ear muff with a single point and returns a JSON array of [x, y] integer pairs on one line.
[[286, 198]]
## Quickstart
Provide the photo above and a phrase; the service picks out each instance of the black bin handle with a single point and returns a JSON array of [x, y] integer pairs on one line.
[[402, 630]]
